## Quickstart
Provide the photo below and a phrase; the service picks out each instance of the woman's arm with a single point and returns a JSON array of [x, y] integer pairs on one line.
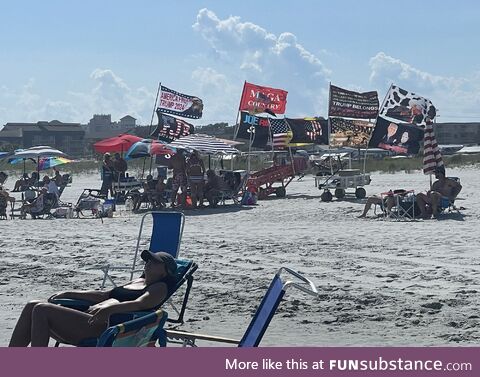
[[155, 294], [93, 296]]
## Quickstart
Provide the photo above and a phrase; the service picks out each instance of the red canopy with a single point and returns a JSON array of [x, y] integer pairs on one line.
[[119, 143]]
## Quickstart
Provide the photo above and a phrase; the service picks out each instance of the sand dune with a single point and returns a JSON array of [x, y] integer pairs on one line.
[[381, 283]]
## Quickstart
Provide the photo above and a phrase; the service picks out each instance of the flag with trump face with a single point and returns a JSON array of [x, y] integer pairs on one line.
[[407, 107]]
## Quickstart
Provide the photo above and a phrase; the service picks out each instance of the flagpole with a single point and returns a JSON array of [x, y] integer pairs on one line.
[[235, 132], [378, 114], [328, 129], [154, 108]]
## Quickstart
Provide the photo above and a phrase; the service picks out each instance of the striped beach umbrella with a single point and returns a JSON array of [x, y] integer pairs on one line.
[[432, 158], [206, 144]]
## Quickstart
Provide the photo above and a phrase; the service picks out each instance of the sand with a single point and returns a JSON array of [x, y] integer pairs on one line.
[[381, 283]]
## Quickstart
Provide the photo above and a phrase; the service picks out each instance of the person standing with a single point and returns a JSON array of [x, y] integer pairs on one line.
[[179, 180], [196, 178], [107, 175]]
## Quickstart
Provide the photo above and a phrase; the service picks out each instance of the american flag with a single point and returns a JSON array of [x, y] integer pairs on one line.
[[432, 158], [281, 133], [170, 128]]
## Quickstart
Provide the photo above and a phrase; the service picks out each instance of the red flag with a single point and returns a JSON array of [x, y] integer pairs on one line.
[[258, 99]]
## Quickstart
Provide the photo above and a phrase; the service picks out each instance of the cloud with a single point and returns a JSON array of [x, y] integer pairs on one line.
[[456, 98], [108, 94], [245, 51]]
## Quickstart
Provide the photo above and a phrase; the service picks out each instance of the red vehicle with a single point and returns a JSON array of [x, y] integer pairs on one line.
[[275, 179]]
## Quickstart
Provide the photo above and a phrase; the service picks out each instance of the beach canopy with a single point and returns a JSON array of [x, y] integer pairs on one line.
[[119, 143], [149, 148], [206, 144]]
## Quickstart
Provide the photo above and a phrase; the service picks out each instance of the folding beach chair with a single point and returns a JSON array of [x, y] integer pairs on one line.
[[404, 205], [166, 236], [144, 331], [184, 274], [262, 318]]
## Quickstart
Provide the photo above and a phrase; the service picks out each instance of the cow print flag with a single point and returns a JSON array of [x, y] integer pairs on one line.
[[408, 107]]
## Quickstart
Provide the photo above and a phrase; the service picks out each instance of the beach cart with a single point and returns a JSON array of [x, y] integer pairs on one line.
[[275, 179], [341, 181]]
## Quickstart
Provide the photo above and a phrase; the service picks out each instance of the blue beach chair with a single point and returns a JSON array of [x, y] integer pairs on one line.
[[184, 275], [143, 331], [166, 236], [262, 318]]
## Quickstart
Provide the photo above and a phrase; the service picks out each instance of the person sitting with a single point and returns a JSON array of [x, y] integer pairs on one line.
[[119, 166], [142, 197], [214, 185], [34, 207], [58, 178], [41, 320], [157, 196], [443, 187], [22, 184], [5, 198], [51, 186], [386, 203]]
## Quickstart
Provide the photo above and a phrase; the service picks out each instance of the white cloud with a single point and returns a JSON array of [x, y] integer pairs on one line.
[[245, 51], [108, 94], [456, 98]]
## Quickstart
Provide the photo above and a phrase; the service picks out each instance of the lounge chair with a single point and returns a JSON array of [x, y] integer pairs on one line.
[[143, 331], [235, 193], [166, 236], [184, 274], [262, 318]]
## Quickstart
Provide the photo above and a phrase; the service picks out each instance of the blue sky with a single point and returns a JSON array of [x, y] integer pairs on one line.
[[67, 60]]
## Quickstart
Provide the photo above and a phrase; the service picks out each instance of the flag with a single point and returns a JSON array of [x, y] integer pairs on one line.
[[281, 134], [308, 130], [349, 133], [254, 128], [170, 128], [408, 107], [432, 158], [172, 102], [396, 137], [260, 99], [345, 103]]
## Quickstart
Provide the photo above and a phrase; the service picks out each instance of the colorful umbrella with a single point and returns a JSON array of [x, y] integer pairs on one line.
[[35, 154], [118, 143], [149, 148], [44, 163]]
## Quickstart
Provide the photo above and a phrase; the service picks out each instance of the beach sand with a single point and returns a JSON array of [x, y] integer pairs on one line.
[[381, 283]]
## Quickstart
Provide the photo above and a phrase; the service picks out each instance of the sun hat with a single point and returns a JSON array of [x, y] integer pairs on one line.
[[161, 256]]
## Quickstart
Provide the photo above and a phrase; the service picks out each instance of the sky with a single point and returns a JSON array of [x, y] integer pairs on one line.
[[68, 60]]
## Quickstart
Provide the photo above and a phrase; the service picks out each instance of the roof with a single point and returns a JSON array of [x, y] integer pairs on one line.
[[128, 117]]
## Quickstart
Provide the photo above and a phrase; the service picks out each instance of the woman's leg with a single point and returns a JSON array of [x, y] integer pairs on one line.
[[23, 329], [65, 324], [370, 201]]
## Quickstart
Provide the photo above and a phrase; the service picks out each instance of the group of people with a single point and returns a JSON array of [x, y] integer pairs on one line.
[[189, 175], [443, 190], [112, 170]]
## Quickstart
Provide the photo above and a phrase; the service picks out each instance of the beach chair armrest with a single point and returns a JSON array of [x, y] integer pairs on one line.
[[81, 305], [190, 338]]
